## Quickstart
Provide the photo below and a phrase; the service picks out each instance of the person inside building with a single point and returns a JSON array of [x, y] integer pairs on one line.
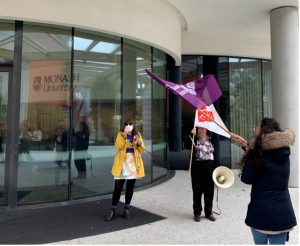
[[37, 134], [64, 142], [58, 146], [128, 166], [25, 136], [204, 162], [266, 167], [81, 145]]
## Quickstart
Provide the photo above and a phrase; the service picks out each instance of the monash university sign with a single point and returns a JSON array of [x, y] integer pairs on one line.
[[54, 82], [50, 81]]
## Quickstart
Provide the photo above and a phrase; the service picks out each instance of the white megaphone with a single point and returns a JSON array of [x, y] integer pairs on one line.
[[223, 177]]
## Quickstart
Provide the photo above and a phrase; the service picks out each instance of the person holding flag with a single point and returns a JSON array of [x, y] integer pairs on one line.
[[204, 162]]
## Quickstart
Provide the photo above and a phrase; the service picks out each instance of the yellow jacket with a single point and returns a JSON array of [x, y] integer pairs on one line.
[[121, 145]]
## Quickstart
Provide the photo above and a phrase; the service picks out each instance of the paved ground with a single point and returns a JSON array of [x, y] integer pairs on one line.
[[173, 200]]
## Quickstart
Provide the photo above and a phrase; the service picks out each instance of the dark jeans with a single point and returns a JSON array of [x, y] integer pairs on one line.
[[119, 183], [202, 183]]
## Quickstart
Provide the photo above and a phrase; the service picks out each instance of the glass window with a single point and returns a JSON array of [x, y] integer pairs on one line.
[[137, 96], [96, 112], [192, 69], [7, 37], [4, 79], [72, 105], [223, 108], [189, 69], [267, 88], [7, 41], [44, 114], [245, 99], [159, 117]]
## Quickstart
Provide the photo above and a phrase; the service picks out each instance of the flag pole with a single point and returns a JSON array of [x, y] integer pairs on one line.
[[231, 134], [191, 157]]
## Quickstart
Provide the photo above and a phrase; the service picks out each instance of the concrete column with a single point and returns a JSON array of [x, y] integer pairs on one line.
[[285, 77]]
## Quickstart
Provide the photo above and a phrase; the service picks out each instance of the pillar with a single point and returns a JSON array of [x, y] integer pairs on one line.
[[285, 77]]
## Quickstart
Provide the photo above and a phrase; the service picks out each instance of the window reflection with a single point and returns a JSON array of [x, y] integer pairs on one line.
[[44, 109], [7, 40], [96, 112], [68, 122], [137, 96], [159, 117], [246, 110]]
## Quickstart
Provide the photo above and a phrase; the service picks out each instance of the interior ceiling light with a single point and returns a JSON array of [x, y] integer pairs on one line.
[[104, 47]]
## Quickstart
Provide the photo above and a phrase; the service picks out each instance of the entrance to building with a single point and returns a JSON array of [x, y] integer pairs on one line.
[[5, 78]]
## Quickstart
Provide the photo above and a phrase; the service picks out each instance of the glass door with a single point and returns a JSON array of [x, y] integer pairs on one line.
[[5, 75], [44, 126]]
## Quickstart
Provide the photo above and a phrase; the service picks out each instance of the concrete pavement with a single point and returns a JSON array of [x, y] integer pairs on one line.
[[173, 200]]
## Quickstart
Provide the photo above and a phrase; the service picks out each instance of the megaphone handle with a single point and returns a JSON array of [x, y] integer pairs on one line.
[[191, 157], [217, 198]]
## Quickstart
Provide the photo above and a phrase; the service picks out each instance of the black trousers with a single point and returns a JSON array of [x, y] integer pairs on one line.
[[202, 183], [80, 165], [119, 183]]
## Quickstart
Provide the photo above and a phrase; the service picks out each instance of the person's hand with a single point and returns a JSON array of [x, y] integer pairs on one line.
[[137, 139], [193, 131], [239, 140]]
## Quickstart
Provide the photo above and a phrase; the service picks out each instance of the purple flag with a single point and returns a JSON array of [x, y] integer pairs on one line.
[[198, 93]]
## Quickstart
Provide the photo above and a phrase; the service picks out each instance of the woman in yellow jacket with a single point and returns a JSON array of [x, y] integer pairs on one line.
[[128, 165]]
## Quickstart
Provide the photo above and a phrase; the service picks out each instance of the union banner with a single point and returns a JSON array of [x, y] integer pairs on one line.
[[207, 118], [205, 115]]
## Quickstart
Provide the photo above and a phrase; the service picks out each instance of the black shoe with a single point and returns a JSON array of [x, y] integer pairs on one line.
[[126, 214], [81, 175], [210, 217], [197, 217], [112, 214]]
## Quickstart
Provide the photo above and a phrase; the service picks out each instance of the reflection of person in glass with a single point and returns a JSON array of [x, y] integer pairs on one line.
[[37, 134], [25, 136], [62, 142], [59, 147], [81, 146], [128, 166]]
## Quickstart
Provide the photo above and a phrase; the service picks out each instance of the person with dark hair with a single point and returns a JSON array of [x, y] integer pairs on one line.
[[64, 142], [266, 166], [82, 137], [204, 162], [128, 166]]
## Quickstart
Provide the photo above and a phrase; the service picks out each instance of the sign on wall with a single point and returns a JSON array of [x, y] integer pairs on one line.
[[50, 81]]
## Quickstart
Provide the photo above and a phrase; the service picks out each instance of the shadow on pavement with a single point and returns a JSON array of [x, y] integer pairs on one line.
[[48, 225]]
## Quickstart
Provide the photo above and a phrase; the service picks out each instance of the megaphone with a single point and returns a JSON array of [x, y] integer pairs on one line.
[[223, 177]]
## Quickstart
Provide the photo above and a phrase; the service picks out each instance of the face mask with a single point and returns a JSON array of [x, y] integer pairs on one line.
[[129, 128]]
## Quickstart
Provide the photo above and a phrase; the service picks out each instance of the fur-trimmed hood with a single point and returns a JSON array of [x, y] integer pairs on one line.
[[278, 139]]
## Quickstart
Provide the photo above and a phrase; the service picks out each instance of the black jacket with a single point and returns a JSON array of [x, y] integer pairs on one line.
[[82, 141], [270, 207]]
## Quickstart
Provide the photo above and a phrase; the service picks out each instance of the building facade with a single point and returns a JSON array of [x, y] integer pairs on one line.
[[73, 63]]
